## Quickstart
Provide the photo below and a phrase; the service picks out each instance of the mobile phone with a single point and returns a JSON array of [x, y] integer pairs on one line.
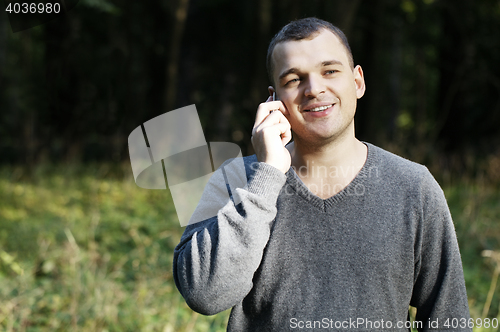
[[274, 96]]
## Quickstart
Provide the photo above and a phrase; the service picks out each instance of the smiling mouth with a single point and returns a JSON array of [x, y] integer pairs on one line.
[[319, 109]]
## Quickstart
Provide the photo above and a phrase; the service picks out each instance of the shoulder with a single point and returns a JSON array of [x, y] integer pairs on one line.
[[396, 167], [399, 173], [394, 163]]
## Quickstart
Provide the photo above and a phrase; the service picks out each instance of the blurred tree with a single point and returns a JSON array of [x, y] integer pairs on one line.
[[179, 21], [74, 88], [469, 87]]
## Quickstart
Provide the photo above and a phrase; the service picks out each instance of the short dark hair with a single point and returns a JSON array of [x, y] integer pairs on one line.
[[303, 29]]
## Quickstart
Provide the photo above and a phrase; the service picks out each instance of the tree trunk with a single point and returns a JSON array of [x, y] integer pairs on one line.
[[345, 12], [175, 49]]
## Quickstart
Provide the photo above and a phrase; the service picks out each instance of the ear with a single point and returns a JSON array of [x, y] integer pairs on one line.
[[359, 81], [271, 90]]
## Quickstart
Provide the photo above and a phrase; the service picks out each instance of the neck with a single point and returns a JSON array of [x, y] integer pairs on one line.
[[339, 151], [335, 163]]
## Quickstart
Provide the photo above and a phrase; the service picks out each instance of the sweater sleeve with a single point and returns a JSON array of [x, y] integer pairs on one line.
[[439, 288], [216, 258]]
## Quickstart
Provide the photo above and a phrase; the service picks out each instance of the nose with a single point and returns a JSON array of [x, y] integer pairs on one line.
[[314, 87]]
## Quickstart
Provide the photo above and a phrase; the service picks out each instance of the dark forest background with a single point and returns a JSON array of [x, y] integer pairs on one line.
[[73, 89], [83, 248]]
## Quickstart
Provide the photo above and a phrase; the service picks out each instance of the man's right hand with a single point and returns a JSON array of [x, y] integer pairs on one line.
[[271, 132]]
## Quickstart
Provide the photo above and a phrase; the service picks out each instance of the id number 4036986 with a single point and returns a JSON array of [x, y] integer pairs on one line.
[[33, 8]]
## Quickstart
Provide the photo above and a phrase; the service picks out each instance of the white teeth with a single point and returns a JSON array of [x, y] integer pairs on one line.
[[319, 109]]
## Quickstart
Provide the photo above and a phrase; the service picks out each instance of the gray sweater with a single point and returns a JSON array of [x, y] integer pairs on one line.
[[284, 259]]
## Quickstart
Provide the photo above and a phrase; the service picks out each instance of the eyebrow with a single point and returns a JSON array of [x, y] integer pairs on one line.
[[331, 63], [294, 70], [287, 72]]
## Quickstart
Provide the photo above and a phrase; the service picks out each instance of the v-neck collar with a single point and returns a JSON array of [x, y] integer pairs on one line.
[[354, 188]]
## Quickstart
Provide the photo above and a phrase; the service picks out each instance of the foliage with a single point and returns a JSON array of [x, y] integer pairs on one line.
[[83, 251], [74, 88], [476, 210], [82, 248]]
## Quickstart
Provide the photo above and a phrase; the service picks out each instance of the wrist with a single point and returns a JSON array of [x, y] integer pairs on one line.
[[266, 179]]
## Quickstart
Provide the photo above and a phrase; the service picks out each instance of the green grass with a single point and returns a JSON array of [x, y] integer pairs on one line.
[[475, 207], [82, 248]]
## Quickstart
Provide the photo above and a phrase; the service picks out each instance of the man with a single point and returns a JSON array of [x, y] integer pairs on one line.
[[329, 232]]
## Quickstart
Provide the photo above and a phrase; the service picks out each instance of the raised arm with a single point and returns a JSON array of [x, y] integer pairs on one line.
[[216, 258]]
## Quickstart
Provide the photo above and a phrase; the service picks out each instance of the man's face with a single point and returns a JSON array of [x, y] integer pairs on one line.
[[318, 87]]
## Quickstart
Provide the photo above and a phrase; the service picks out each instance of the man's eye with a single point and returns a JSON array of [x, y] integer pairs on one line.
[[329, 72], [292, 81]]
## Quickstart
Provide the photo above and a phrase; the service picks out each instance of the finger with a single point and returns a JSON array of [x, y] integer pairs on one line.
[[283, 131], [284, 128], [286, 136], [275, 130], [271, 119], [284, 125], [281, 108], [276, 116], [265, 108]]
